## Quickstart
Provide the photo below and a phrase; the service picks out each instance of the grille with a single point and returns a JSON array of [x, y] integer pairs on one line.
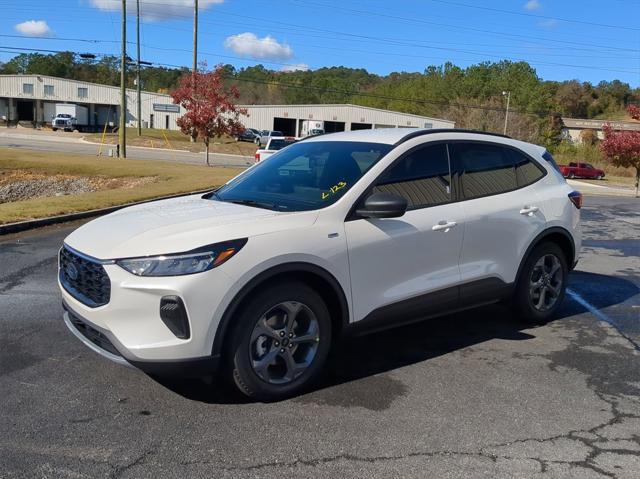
[[93, 335], [85, 280]]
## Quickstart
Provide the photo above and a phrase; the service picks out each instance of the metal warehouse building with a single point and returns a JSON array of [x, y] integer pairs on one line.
[[32, 98], [289, 118]]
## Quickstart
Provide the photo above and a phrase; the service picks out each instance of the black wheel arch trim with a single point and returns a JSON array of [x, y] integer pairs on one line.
[[294, 267], [571, 262]]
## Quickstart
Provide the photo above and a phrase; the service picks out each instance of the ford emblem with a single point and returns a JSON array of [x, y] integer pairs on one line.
[[71, 271]]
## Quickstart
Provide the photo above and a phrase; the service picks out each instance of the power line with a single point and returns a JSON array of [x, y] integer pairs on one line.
[[535, 15]]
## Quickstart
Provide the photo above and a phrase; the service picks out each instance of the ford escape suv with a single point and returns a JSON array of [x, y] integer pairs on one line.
[[333, 234]]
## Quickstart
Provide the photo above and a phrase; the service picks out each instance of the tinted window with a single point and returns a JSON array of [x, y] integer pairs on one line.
[[422, 177], [527, 171], [484, 169], [304, 176], [549, 158], [279, 144]]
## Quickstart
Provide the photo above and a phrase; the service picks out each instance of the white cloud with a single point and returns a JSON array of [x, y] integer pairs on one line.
[[156, 9], [532, 5], [34, 28], [303, 67], [249, 45], [550, 23]]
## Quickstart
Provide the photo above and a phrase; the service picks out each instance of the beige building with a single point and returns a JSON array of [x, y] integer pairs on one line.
[[341, 117], [32, 98], [573, 127]]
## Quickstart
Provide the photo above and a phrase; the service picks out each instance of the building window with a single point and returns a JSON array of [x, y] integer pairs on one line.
[[27, 88], [48, 90], [83, 92]]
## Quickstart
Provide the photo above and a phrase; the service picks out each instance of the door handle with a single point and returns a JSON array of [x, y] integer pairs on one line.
[[529, 210], [444, 226]]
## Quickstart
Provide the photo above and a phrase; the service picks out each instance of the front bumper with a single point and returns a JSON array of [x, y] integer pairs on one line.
[[104, 343]]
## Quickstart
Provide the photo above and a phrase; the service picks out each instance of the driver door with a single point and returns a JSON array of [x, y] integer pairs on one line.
[[408, 266]]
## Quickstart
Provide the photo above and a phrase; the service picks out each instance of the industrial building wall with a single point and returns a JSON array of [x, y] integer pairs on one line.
[[100, 99], [346, 117]]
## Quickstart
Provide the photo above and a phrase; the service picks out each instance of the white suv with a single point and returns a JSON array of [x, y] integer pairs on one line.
[[334, 234]]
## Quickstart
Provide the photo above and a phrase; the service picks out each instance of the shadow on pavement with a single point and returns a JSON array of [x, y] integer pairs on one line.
[[369, 355]]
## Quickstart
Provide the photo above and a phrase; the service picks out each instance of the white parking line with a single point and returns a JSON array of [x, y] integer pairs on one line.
[[600, 315]]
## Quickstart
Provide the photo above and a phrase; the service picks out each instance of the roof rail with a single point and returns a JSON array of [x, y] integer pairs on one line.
[[415, 134]]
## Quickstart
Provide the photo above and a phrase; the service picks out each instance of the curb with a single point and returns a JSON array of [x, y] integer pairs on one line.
[[174, 150], [20, 226]]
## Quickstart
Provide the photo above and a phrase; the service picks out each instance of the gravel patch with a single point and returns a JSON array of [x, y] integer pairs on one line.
[[45, 187], [19, 185]]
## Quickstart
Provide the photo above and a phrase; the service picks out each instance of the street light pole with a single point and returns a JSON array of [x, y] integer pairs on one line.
[[506, 113], [138, 69], [122, 132]]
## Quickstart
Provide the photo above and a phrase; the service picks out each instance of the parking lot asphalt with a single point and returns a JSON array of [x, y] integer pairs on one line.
[[473, 394]]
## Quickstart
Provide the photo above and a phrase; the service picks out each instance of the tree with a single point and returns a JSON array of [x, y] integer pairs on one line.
[[552, 131], [589, 137], [211, 109], [622, 148]]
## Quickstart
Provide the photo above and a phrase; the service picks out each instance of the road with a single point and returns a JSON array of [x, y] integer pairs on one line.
[[73, 144], [467, 395]]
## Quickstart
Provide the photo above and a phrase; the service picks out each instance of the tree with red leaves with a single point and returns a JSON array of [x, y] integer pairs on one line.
[[622, 148], [211, 109]]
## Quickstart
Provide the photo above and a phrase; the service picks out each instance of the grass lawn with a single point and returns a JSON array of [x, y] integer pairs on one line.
[[154, 138], [160, 179]]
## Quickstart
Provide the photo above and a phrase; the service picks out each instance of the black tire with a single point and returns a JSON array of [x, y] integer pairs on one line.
[[599, 177], [242, 354], [524, 301], [571, 176]]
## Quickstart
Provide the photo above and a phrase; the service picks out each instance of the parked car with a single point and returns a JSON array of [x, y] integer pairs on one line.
[[266, 134], [249, 134], [276, 143], [333, 235], [581, 170]]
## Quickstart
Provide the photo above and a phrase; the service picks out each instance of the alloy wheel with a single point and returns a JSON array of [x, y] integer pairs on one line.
[[284, 342], [545, 283]]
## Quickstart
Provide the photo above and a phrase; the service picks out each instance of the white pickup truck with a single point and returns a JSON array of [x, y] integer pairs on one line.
[[274, 144]]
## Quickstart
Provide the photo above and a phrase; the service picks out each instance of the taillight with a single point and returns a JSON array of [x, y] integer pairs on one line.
[[257, 157], [576, 199]]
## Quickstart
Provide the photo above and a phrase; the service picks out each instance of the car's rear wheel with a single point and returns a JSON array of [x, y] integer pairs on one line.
[[542, 284], [281, 342]]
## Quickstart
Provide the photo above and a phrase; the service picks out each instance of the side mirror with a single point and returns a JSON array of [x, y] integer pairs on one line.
[[383, 205]]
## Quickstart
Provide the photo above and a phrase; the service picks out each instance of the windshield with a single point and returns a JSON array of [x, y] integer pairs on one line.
[[279, 144], [304, 176]]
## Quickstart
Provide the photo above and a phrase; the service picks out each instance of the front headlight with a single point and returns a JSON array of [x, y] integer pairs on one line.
[[179, 264]]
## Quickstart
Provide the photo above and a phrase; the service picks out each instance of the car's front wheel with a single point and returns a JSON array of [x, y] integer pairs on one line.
[[281, 342], [542, 284]]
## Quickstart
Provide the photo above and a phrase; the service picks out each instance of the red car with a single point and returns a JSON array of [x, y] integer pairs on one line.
[[581, 170]]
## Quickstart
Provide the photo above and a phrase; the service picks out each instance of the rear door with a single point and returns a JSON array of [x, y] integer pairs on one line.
[[502, 214], [396, 262]]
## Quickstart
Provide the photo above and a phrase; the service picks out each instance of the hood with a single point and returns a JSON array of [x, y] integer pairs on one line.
[[177, 225]]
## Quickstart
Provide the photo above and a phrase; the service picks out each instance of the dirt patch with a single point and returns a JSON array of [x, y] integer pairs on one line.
[[20, 185]]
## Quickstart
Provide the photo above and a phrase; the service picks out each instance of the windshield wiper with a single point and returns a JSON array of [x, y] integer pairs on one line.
[[256, 204]]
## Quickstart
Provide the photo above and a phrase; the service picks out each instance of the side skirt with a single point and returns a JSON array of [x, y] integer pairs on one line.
[[431, 305]]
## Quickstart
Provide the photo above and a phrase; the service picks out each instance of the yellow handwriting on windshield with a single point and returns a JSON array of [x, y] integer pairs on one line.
[[334, 189]]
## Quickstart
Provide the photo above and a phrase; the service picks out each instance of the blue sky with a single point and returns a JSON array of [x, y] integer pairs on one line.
[[589, 40]]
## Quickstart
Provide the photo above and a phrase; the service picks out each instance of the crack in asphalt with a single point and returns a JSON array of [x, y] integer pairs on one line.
[[118, 471]]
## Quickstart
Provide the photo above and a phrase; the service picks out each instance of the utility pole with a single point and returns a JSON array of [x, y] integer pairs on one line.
[[506, 113], [138, 69], [195, 55], [195, 37], [122, 131]]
